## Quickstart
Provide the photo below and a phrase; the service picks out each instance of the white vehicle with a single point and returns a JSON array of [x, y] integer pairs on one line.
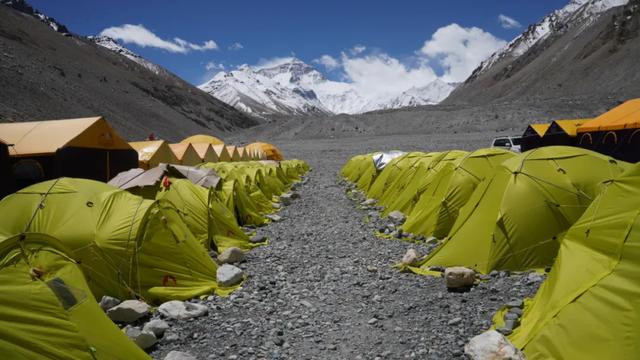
[[507, 142]]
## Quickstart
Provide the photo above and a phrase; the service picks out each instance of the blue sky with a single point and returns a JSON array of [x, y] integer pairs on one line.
[[270, 29]]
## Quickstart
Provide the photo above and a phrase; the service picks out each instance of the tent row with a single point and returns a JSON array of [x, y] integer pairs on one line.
[[572, 210], [67, 242], [31, 152], [615, 133]]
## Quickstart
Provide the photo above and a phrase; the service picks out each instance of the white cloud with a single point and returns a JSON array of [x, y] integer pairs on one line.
[[508, 22], [380, 74], [460, 50], [141, 36], [358, 49], [212, 66], [235, 46], [273, 62], [328, 61]]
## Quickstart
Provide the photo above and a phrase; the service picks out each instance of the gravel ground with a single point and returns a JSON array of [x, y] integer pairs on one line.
[[324, 288]]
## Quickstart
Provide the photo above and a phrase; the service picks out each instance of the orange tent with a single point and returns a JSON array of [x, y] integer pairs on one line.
[[271, 152], [186, 154], [202, 139], [205, 151], [153, 153], [625, 116], [85, 148], [233, 152]]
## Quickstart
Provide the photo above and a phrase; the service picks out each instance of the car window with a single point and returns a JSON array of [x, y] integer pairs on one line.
[[501, 142]]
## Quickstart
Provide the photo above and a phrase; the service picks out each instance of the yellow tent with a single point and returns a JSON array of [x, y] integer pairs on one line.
[[233, 152], [270, 151], [153, 153], [222, 153], [186, 154], [206, 152], [244, 153], [202, 139], [532, 136], [86, 147], [625, 116]]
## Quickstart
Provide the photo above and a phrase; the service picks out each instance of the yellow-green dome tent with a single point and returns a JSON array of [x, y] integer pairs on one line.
[[514, 218], [391, 172], [438, 206], [405, 192], [47, 310], [588, 307], [126, 246]]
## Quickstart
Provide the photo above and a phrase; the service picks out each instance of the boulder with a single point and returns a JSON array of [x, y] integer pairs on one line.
[[229, 275], [274, 217], [181, 310], [179, 355], [144, 339], [459, 277], [128, 311], [491, 345], [231, 255], [107, 302], [410, 257], [157, 327], [257, 239], [397, 217], [368, 202]]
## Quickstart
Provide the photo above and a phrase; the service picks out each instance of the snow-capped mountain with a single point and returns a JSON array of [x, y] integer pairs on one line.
[[293, 87], [112, 45], [576, 13]]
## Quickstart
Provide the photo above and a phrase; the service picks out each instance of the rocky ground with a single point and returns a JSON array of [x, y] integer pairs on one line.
[[325, 287]]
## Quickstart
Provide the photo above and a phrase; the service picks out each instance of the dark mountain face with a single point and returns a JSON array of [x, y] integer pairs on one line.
[[45, 75], [583, 59]]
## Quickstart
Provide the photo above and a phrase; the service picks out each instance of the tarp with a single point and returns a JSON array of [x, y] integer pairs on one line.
[[439, 205], [588, 307], [207, 139], [515, 218], [207, 178], [381, 160], [46, 137], [625, 116], [153, 153], [186, 154], [46, 307], [126, 246]]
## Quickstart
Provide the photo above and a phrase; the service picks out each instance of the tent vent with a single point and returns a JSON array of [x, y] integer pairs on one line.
[[64, 294]]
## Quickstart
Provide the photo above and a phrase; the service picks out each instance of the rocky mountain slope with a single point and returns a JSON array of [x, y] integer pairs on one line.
[[589, 48], [296, 88], [47, 73]]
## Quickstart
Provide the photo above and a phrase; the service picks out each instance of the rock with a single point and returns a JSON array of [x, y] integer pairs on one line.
[[258, 239], [459, 277], [397, 217], [294, 195], [515, 304], [410, 257], [511, 324], [274, 217], [372, 268], [107, 302], [144, 339], [368, 202], [516, 311], [454, 321], [157, 327], [128, 311], [372, 321], [181, 310], [285, 200], [511, 316], [533, 278], [179, 355], [229, 275], [492, 345], [231, 255], [276, 206]]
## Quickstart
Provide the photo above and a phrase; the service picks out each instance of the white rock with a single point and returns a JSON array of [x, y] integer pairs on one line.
[[231, 255], [157, 327], [181, 310], [107, 302], [491, 345], [144, 339], [410, 257], [229, 275], [179, 355], [274, 217], [256, 239], [368, 202], [128, 311], [397, 217], [459, 277]]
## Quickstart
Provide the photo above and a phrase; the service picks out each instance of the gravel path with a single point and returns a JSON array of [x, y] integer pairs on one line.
[[325, 289]]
